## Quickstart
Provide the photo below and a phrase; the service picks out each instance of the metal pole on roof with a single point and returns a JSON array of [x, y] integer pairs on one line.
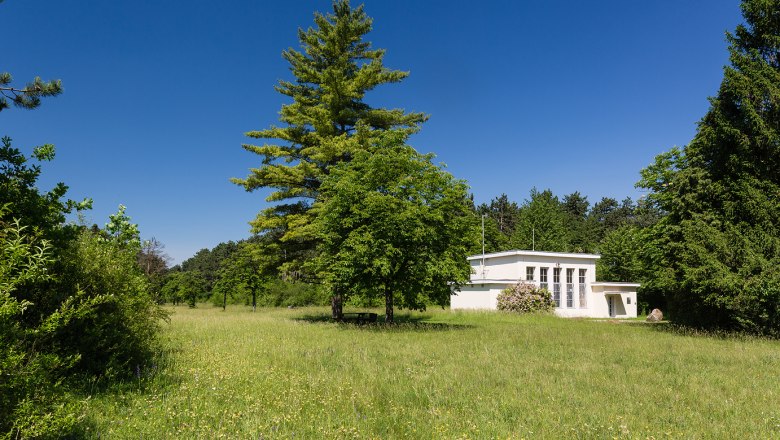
[[483, 246], [533, 239]]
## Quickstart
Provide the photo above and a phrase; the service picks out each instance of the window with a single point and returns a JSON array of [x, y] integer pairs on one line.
[[583, 297], [529, 273], [628, 300], [557, 286], [543, 278], [569, 288]]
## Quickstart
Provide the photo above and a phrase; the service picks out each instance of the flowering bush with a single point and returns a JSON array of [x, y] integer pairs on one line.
[[525, 298]]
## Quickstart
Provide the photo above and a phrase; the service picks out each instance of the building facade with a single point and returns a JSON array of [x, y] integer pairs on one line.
[[570, 278]]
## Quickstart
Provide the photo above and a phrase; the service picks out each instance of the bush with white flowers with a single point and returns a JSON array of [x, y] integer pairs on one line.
[[525, 298]]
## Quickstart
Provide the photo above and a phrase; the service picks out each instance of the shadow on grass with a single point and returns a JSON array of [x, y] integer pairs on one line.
[[403, 322], [682, 330]]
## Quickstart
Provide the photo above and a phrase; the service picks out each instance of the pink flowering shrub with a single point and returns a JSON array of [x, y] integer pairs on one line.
[[525, 298]]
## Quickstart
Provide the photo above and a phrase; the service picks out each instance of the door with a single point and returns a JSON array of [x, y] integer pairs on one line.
[[611, 305]]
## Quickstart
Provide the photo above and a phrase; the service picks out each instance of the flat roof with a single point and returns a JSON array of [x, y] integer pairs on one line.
[[491, 281], [614, 283], [534, 254]]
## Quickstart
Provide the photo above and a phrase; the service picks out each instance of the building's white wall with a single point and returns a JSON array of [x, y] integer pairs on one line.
[[513, 267], [624, 300], [496, 268], [477, 296]]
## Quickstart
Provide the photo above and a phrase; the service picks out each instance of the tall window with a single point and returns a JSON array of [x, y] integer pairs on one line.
[[529, 273], [569, 288], [543, 278], [557, 286], [583, 297]]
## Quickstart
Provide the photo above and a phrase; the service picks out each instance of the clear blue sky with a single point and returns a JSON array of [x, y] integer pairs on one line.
[[566, 95]]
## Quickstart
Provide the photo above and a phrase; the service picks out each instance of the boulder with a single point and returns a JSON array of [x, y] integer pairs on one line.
[[655, 316]]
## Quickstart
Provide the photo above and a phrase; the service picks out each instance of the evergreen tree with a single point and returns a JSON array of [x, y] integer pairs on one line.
[[719, 248], [543, 224], [576, 206], [28, 96], [501, 217], [327, 123]]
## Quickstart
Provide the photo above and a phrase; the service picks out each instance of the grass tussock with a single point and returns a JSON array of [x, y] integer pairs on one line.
[[281, 373]]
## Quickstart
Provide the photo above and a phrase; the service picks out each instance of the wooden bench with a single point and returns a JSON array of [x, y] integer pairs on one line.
[[360, 318]]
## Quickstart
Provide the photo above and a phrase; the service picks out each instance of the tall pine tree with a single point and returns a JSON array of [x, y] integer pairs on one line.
[[326, 123], [719, 247]]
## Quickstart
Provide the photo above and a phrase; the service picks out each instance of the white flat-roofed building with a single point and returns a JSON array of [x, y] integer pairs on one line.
[[570, 278]]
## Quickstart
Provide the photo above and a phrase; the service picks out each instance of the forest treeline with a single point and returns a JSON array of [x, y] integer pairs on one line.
[[543, 221]]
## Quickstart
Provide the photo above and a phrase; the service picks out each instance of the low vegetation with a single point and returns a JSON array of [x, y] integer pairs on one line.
[[282, 373], [525, 298]]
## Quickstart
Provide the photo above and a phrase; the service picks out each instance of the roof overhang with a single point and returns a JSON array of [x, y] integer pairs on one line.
[[534, 254], [486, 281], [614, 284]]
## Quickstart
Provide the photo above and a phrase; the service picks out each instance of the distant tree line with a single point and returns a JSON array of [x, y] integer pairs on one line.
[[235, 273]]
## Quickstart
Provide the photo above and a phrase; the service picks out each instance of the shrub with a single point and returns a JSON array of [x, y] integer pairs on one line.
[[525, 298], [32, 400], [110, 322]]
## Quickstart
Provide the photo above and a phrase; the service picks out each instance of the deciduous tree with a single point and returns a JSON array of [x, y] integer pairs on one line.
[[394, 225]]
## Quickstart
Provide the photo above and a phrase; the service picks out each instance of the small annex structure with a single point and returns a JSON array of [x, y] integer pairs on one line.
[[569, 277]]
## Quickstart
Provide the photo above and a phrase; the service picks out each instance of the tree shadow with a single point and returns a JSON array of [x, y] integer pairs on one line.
[[672, 328], [403, 323]]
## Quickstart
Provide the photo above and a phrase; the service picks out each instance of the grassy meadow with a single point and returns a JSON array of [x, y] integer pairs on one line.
[[281, 373]]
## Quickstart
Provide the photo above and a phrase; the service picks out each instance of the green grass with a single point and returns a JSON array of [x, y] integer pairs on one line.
[[282, 374]]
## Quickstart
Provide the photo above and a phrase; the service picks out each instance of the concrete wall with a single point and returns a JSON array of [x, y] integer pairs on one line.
[[623, 296], [477, 296]]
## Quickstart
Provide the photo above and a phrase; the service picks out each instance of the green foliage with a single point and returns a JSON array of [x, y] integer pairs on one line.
[[122, 231], [393, 225], [274, 293], [326, 124], [44, 211], [241, 274], [74, 304], [501, 217], [543, 224], [621, 258], [154, 264], [576, 206], [718, 246], [31, 400], [181, 286], [30, 95], [110, 322], [207, 263], [525, 298]]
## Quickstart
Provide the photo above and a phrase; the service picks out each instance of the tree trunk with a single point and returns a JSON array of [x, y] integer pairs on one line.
[[336, 307], [254, 300], [388, 306], [224, 300]]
